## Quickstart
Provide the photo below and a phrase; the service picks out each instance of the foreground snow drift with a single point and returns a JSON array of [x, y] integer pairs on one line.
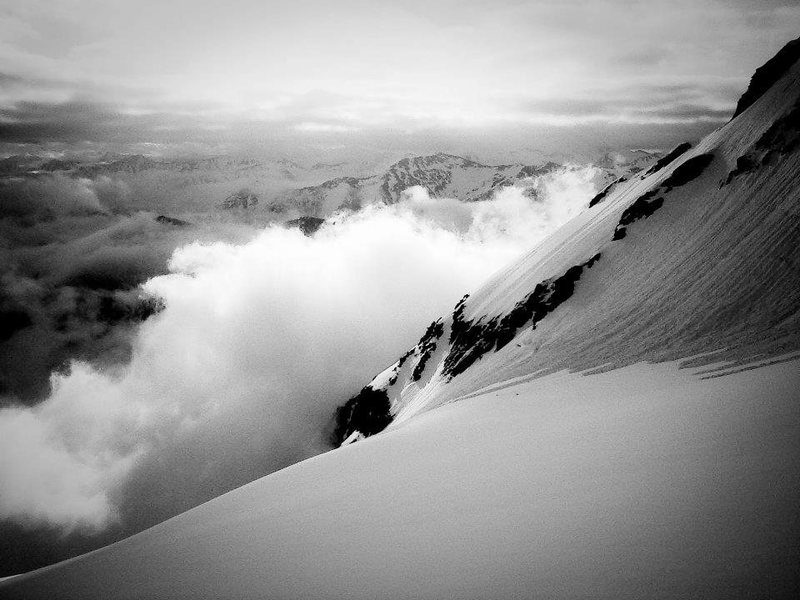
[[643, 482]]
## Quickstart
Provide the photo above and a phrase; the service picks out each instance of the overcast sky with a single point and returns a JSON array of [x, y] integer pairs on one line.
[[75, 69]]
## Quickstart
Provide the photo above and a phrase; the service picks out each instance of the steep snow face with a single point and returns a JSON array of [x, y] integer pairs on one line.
[[697, 256]]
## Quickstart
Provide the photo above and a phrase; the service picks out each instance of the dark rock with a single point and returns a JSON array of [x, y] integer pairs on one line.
[[308, 225], [470, 341], [642, 208], [665, 160], [164, 220], [241, 199], [427, 346], [768, 74], [688, 171], [601, 196], [368, 412]]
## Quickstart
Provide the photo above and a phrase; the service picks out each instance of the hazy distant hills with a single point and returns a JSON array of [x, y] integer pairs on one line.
[[284, 189], [441, 175]]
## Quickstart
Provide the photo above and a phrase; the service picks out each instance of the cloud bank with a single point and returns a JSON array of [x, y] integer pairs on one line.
[[257, 344], [72, 253]]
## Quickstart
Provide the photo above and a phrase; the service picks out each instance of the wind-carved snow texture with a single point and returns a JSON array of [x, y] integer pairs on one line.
[[657, 166], [781, 138], [642, 208], [647, 203], [469, 341]]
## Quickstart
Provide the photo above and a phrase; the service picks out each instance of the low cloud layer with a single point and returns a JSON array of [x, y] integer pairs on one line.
[[73, 252], [239, 375]]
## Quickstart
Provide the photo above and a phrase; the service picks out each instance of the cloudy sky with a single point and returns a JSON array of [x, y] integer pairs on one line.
[[97, 69]]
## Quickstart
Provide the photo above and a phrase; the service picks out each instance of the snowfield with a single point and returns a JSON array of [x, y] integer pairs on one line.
[[644, 482], [617, 426]]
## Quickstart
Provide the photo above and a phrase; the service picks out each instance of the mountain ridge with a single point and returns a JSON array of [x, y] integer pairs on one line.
[[772, 122]]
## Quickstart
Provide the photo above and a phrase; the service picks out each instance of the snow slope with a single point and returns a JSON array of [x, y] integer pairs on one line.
[[628, 480], [705, 263], [646, 482]]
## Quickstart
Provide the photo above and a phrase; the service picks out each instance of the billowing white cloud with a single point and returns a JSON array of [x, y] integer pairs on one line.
[[60, 460], [259, 342]]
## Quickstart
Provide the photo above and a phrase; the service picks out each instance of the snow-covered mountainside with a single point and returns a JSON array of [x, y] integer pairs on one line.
[[532, 450], [442, 175], [697, 256]]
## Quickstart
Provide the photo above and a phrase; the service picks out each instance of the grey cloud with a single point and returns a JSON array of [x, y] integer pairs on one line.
[[8, 80], [682, 102], [75, 121], [645, 57], [688, 112]]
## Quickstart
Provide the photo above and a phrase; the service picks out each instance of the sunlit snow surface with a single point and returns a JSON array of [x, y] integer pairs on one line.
[[645, 482]]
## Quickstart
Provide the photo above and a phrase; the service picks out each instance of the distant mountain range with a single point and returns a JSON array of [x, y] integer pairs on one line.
[[288, 187], [441, 175]]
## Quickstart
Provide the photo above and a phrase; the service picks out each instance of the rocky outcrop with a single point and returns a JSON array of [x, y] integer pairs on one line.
[[602, 195], [244, 199], [688, 171], [667, 159], [308, 225], [649, 202], [469, 341], [367, 413], [426, 347], [642, 208], [165, 220]]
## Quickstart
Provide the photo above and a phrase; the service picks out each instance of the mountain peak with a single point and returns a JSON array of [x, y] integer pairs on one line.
[[768, 74]]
